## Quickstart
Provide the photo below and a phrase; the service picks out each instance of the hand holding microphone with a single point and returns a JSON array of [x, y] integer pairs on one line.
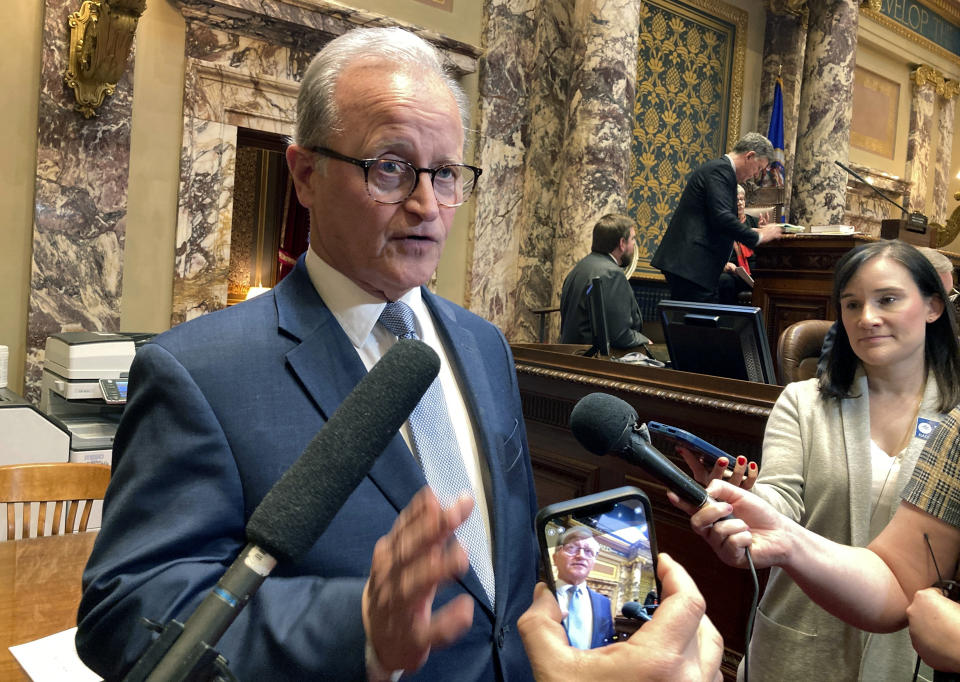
[[606, 424]]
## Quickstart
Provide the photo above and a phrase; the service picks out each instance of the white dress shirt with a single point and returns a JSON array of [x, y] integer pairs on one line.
[[358, 312]]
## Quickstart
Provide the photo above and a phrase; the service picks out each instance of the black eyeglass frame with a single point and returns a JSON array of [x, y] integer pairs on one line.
[[365, 164]]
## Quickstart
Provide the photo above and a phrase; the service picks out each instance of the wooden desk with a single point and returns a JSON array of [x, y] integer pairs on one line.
[[729, 413], [39, 591]]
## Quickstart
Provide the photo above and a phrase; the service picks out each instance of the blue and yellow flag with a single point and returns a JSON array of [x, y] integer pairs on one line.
[[774, 175]]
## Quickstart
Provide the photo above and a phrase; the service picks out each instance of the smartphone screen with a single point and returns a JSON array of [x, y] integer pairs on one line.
[[599, 558]]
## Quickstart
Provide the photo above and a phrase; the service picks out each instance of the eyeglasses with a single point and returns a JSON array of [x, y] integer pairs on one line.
[[573, 550], [392, 181]]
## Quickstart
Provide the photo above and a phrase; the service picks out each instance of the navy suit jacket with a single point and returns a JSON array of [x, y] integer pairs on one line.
[[218, 409], [704, 226], [602, 619]]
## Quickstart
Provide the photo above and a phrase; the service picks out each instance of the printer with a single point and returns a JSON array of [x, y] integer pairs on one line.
[[29, 436], [84, 388]]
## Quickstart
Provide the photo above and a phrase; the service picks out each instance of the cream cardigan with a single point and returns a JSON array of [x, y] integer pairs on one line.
[[816, 469]]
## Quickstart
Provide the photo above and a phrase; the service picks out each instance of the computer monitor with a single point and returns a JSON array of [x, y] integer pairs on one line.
[[721, 340], [599, 338]]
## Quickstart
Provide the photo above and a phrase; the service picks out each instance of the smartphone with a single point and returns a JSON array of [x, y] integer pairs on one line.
[[710, 453], [605, 543]]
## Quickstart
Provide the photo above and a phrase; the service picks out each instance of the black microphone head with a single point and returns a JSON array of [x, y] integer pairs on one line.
[[634, 609], [598, 421], [300, 506]]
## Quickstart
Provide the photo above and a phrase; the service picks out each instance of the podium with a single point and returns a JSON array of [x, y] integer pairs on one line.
[[910, 231]]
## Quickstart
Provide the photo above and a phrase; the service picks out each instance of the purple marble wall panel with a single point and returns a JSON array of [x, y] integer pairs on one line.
[[783, 57], [511, 43], [941, 178], [80, 203], [557, 90], [202, 256], [826, 97], [598, 147], [918, 144], [231, 81]]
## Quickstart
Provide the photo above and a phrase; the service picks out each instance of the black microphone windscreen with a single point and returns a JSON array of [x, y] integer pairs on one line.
[[300, 506], [634, 609], [599, 420]]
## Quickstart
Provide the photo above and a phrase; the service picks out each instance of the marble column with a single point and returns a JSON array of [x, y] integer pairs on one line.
[[941, 178], [557, 88], [521, 131], [826, 98], [783, 56], [80, 203], [597, 150], [926, 82]]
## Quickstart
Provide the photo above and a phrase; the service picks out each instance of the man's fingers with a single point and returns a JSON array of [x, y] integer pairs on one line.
[[424, 523], [451, 621]]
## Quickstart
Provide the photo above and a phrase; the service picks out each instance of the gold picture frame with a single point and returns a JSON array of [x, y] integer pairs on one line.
[[876, 105]]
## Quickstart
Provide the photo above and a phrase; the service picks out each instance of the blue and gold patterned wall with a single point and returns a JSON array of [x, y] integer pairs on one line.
[[689, 94]]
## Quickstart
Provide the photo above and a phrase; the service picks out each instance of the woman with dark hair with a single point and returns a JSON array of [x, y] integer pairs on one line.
[[839, 449]]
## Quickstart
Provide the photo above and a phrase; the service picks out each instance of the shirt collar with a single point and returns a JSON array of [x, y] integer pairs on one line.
[[356, 310]]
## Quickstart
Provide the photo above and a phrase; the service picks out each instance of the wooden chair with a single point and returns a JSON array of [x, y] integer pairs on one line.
[[75, 484]]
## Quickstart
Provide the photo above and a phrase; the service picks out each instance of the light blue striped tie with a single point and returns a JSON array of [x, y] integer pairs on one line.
[[439, 454], [575, 620]]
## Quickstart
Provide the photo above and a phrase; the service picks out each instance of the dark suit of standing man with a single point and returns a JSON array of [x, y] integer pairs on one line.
[[221, 406], [704, 226], [614, 242]]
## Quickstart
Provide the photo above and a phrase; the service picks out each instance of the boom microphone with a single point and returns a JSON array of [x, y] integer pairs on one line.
[[605, 424], [299, 507]]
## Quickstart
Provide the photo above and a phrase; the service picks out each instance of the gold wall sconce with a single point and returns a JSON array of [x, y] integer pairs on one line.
[[101, 33]]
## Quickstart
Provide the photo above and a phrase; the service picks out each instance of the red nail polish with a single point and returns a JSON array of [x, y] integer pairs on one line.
[[741, 460], [753, 466]]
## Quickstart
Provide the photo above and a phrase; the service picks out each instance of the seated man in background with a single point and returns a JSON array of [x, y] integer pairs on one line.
[[731, 284], [589, 620], [614, 241]]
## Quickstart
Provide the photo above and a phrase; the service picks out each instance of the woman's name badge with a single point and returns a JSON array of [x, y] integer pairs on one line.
[[925, 427]]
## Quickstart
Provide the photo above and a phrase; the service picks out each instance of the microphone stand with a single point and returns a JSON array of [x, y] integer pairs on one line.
[[916, 221]]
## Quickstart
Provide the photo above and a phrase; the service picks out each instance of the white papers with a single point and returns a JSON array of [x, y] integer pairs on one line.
[[832, 229], [744, 275], [791, 229], [53, 659]]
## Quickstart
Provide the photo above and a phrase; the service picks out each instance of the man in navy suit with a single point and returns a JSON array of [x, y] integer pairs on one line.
[[221, 406], [589, 621], [701, 233]]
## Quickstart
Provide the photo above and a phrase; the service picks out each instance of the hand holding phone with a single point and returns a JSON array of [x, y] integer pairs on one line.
[[707, 452], [599, 553]]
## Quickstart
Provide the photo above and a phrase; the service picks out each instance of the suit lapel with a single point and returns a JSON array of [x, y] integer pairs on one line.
[[328, 367]]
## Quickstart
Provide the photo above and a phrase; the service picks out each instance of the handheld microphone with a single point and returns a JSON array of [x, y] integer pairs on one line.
[[606, 424], [299, 507]]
